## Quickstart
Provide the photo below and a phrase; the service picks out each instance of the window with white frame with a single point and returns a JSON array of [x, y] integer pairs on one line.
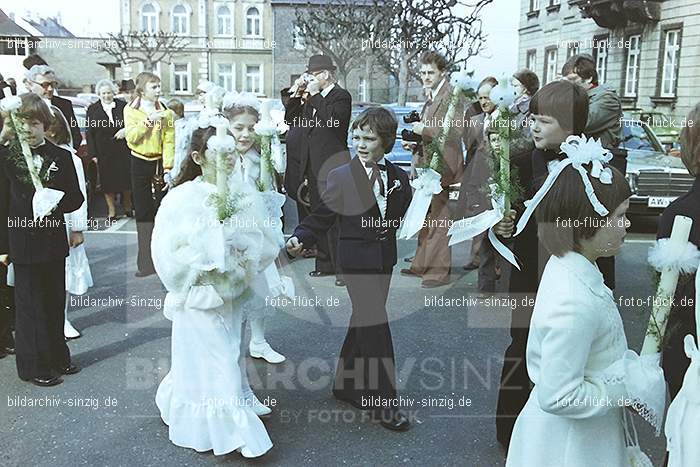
[[554, 2], [253, 79], [572, 49], [181, 78], [298, 41], [531, 60], [225, 76], [534, 5], [362, 90], [550, 65], [149, 18], [181, 19], [253, 25], [672, 53], [224, 21], [601, 57], [632, 71]]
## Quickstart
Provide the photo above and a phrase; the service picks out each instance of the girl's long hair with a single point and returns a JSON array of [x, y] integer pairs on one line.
[[190, 169]]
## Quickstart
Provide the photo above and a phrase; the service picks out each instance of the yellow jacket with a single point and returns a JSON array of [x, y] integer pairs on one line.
[[150, 141]]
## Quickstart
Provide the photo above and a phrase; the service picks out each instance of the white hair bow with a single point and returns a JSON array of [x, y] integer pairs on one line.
[[579, 151], [240, 99]]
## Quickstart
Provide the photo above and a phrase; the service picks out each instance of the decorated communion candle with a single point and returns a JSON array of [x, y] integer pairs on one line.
[[221, 172], [667, 289]]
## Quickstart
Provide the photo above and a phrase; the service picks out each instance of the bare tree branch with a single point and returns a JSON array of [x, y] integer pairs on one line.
[[146, 48]]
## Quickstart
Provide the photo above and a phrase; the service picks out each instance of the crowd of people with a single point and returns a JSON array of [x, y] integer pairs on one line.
[[207, 195]]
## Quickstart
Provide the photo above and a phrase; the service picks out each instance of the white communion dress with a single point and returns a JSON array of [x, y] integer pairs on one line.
[[207, 267], [584, 375], [78, 275], [268, 284]]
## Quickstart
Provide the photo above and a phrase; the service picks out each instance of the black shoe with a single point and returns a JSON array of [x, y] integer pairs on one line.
[[45, 381], [69, 370], [340, 282], [320, 274], [470, 266], [408, 272], [431, 284], [144, 273], [8, 350], [394, 420], [408, 260], [129, 213], [352, 402]]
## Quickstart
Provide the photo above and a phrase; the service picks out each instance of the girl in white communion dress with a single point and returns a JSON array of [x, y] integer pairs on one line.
[[207, 265], [242, 111], [584, 375]]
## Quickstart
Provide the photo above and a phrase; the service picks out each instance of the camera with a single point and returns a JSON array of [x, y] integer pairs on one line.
[[412, 117], [408, 135]]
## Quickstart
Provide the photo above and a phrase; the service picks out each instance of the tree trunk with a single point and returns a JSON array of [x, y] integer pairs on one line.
[[403, 77], [368, 78]]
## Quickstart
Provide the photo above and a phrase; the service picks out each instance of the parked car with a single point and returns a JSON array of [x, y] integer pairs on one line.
[[398, 155], [656, 177]]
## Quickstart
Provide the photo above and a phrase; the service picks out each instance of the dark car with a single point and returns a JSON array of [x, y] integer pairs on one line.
[[656, 176]]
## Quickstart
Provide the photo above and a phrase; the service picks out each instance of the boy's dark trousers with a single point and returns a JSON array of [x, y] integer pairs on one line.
[[6, 312], [40, 294], [366, 364], [145, 208]]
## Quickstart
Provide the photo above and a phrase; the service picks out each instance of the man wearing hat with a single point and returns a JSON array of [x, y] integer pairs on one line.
[[127, 90], [322, 109]]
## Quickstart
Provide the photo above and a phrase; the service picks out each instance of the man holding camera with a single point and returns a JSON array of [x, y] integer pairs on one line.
[[322, 109], [433, 258]]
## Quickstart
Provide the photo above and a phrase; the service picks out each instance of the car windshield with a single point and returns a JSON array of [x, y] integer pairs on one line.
[[636, 135]]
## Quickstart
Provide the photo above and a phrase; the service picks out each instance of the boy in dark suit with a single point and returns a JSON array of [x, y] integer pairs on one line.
[[367, 197], [37, 249], [559, 110]]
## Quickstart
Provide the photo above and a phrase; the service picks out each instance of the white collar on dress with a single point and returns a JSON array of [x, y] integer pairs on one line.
[[585, 271]]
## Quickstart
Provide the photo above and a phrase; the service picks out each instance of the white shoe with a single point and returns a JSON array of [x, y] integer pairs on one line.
[[265, 352], [259, 408], [69, 332]]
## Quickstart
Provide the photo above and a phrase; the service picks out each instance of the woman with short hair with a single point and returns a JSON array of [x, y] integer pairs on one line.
[[105, 140]]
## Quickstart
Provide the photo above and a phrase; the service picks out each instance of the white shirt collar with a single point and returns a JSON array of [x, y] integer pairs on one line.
[[435, 91], [324, 92]]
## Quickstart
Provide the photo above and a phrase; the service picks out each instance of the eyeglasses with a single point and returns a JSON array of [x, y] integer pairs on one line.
[[47, 84]]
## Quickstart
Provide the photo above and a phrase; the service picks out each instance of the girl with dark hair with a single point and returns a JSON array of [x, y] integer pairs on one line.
[[208, 265], [585, 377]]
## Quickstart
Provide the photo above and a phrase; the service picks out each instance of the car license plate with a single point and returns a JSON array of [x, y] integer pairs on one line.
[[659, 201], [454, 195]]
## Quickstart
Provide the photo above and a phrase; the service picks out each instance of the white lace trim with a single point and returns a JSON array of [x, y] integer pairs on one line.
[[644, 384]]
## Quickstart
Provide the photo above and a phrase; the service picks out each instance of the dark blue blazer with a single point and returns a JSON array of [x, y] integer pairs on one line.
[[48, 241], [365, 240]]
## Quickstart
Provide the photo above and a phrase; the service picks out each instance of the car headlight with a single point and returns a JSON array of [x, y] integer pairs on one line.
[[632, 180]]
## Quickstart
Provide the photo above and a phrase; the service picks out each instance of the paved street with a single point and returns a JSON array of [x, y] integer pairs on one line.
[[448, 359]]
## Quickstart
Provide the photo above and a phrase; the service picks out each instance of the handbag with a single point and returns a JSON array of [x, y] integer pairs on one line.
[[158, 179], [636, 456]]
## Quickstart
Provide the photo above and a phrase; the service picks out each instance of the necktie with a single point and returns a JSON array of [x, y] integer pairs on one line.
[[375, 176]]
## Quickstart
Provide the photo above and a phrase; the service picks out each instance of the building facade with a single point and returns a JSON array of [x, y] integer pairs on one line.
[[228, 42], [649, 51]]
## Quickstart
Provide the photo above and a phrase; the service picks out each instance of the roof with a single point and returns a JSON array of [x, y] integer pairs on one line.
[[50, 27], [10, 28]]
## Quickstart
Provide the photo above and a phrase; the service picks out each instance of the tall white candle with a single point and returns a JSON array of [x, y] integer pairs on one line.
[[667, 288], [221, 172]]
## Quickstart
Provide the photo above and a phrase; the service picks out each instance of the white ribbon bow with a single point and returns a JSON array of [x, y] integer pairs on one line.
[[579, 151]]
